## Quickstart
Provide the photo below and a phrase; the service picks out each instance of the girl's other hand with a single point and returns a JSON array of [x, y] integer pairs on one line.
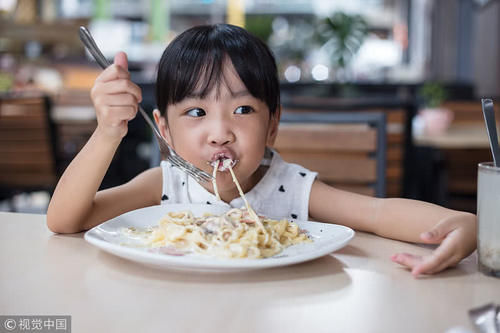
[[457, 239], [115, 99]]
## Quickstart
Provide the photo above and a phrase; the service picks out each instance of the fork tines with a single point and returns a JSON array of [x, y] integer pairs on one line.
[[187, 167]]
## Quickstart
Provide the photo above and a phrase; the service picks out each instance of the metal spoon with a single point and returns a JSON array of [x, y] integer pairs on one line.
[[491, 128]]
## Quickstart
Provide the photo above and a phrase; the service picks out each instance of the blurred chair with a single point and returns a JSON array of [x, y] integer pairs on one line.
[[27, 146], [348, 150], [398, 130]]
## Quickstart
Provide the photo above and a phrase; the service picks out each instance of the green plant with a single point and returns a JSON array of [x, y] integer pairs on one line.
[[342, 35], [259, 25], [6, 82], [433, 94]]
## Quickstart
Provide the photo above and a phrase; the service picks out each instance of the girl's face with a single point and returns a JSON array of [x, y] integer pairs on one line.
[[229, 122]]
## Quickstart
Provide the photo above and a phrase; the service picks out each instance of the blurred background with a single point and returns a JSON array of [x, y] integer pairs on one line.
[[425, 64]]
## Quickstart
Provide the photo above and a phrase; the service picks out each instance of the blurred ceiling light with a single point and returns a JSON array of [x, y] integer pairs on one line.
[[377, 52], [320, 72], [292, 73], [70, 8], [7, 5], [280, 24]]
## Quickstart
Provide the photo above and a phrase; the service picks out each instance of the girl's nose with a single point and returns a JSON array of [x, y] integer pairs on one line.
[[220, 133]]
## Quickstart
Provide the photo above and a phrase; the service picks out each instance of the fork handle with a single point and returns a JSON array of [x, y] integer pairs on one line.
[[150, 122], [90, 44]]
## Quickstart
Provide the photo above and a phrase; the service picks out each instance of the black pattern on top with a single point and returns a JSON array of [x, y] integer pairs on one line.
[[281, 189]]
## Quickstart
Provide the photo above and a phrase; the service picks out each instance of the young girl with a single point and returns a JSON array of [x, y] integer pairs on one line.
[[218, 98]]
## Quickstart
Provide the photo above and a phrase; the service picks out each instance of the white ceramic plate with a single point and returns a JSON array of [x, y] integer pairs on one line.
[[108, 236]]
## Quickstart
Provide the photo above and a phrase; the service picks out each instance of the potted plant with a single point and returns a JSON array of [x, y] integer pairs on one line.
[[432, 117]]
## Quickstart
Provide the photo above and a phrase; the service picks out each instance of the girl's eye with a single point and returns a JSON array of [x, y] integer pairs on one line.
[[243, 109], [196, 112]]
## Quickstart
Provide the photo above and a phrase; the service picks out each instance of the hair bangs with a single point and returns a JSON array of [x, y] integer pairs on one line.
[[193, 64], [190, 72]]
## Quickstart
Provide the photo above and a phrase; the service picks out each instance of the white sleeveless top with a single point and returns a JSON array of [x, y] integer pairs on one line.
[[283, 191]]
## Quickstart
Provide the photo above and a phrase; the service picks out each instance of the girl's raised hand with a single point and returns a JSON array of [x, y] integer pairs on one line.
[[457, 239], [115, 99]]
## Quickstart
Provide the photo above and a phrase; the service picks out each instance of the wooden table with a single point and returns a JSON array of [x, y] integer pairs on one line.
[[356, 289], [458, 136], [446, 164]]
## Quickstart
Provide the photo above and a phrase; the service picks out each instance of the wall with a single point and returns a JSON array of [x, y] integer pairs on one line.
[[487, 50], [465, 45]]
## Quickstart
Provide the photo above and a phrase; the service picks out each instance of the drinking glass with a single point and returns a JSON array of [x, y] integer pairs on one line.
[[488, 213]]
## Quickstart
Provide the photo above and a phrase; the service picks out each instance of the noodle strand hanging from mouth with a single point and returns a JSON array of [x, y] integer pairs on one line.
[[214, 179], [242, 195], [228, 165], [250, 210]]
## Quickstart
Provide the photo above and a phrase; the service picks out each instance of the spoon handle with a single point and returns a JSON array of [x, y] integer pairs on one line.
[[491, 127]]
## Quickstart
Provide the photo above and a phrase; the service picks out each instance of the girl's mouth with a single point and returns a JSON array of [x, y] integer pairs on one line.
[[225, 160]]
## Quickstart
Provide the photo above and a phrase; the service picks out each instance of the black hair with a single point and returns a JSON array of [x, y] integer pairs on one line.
[[195, 60]]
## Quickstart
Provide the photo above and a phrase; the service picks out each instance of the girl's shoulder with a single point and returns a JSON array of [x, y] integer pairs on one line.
[[143, 190], [148, 183], [150, 175]]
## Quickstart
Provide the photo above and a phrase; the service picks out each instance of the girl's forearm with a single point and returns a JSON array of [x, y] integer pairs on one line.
[[73, 197], [406, 219]]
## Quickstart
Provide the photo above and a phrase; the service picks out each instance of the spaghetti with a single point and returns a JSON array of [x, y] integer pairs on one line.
[[238, 233]]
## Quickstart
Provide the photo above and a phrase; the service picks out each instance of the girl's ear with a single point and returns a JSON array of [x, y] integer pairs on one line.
[[162, 125], [273, 127]]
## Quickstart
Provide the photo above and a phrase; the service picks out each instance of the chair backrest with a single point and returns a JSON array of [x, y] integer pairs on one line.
[[27, 144], [398, 131], [348, 150]]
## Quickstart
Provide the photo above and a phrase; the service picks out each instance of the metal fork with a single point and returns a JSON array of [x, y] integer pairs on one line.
[[165, 149]]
